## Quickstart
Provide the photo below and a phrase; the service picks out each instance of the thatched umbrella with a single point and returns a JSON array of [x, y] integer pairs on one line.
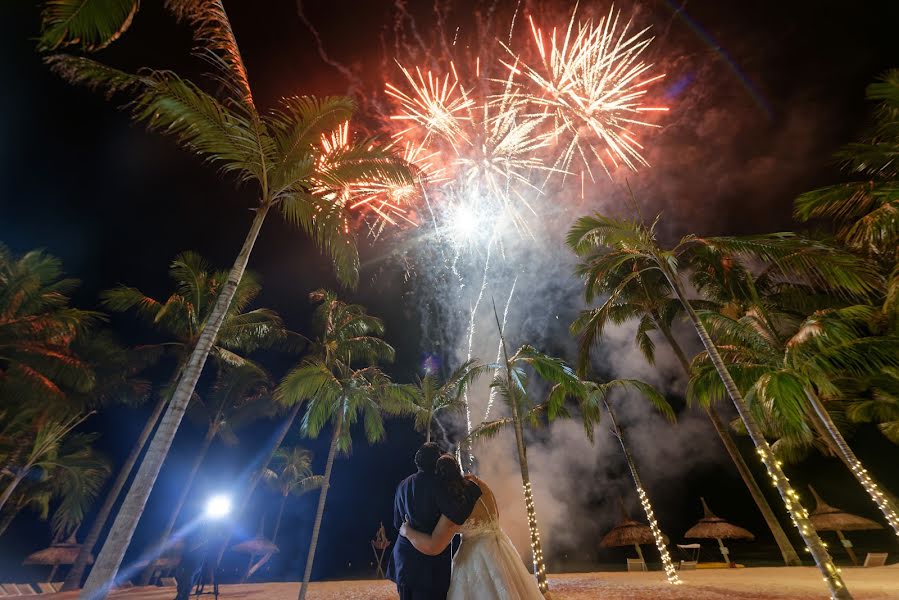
[[629, 533], [711, 527], [258, 546], [60, 553], [827, 518]]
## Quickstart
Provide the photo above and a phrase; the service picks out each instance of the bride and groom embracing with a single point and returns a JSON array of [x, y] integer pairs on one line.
[[433, 505]]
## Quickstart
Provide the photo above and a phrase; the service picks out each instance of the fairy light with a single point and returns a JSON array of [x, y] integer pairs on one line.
[[536, 548], [881, 499], [670, 571], [800, 518]]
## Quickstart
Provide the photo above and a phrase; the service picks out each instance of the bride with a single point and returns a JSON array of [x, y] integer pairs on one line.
[[487, 566]]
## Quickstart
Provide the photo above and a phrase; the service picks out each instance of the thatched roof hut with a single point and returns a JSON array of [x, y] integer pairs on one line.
[[259, 545], [712, 527], [827, 518], [629, 533], [60, 553]]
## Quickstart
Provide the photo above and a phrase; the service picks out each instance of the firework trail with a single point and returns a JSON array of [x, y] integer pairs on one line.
[[499, 348]]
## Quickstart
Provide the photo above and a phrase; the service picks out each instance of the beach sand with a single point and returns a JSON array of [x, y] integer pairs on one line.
[[769, 583]]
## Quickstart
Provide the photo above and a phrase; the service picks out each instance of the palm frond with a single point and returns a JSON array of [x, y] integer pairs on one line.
[[89, 24]]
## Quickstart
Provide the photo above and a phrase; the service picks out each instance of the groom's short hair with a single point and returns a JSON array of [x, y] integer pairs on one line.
[[426, 457]]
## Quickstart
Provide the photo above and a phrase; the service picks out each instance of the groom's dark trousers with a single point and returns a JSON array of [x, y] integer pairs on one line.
[[419, 576]]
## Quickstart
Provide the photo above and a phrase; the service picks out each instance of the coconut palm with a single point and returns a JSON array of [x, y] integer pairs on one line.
[[337, 393], [786, 366], [180, 318], [598, 396], [44, 440], [877, 402], [239, 396], [428, 398], [290, 474], [608, 243], [72, 483], [280, 154], [647, 299], [864, 210], [513, 384], [37, 328]]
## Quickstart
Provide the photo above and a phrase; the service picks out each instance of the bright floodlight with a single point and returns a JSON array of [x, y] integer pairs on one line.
[[218, 507]]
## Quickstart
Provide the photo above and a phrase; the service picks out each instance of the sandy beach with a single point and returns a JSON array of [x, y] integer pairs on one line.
[[768, 583]]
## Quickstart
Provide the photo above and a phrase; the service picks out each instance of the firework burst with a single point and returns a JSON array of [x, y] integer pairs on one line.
[[592, 83]]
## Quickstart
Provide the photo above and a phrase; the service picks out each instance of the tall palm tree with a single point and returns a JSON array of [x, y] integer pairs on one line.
[[786, 365], [239, 396], [180, 318], [596, 396], [337, 393], [280, 154], [290, 474], [512, 383], [428, 397], [647, 299], [606, 243]]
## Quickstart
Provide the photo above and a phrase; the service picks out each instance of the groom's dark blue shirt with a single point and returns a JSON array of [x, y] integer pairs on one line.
[[423, 498]]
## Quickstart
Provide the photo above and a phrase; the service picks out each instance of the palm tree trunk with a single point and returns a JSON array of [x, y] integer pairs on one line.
[[794, 507], [13, 485], [320, 511], [179, 505], [428, 436], [76, 573], [536, 547], [278, 520], [837, 443], [791, 558], [670, 571], [257, 475], [102, 576]]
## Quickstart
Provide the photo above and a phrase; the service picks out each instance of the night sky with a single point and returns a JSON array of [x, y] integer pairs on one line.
[[117, 204]]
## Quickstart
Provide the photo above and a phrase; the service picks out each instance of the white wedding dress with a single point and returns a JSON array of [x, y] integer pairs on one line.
[[487, 566]]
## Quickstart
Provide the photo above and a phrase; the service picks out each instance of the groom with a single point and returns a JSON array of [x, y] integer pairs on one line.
[[423, 499]]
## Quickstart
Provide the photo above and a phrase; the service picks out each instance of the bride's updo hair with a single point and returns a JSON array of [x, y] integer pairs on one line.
[[450, 473]]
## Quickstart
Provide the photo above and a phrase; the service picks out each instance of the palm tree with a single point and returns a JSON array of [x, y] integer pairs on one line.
[[43, 438], [607, 243], [290, 474], [786, 365], [428, 398], [180, 318], [73, 481], [595, 398], [281, 154], [512, 384], [239, 396], [864, 211], [877, 403], [37, 328], [337, 393], [647, 299]]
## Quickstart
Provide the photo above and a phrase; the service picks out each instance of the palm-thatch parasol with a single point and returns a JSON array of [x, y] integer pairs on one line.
[[827, 518], [711, 527], [628, 533], [59, 553], [258, 546]]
